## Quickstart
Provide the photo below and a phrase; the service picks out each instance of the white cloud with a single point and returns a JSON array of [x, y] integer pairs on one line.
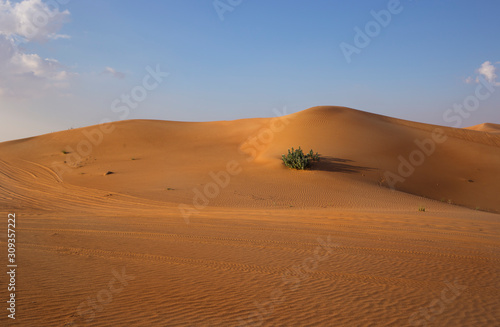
[[24, 74], [487, 71], [32, 20], [113, 72]]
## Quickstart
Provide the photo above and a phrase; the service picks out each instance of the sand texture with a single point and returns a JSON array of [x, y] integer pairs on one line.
[[101, 239]]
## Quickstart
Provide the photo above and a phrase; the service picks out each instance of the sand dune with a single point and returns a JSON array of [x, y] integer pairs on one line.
[[96, 202], [362, 153], [486, 127]]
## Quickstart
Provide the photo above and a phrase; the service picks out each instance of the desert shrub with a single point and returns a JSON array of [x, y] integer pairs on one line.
[[296, 159]]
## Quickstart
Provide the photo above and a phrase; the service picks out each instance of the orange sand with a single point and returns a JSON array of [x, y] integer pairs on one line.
[[244, 249]]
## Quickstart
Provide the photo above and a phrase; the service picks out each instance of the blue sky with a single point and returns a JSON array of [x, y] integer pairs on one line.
[[230, 59]]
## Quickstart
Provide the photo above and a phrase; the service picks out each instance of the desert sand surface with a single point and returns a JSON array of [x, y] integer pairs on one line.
[[163, 223]]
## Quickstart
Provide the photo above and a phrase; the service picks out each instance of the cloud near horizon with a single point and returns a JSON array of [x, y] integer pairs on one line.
[[488, 71], [113, 72], [26, 75]]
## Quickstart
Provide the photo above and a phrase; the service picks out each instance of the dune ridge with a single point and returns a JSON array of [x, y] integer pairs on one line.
[[486, 127]]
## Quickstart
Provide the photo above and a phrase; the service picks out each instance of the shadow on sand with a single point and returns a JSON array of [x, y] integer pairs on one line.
[[338, 165]]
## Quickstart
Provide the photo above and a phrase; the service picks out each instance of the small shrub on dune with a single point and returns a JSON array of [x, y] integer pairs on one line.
[[296, 159]]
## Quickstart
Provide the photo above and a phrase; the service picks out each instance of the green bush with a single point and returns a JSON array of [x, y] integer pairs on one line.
[[296, 159]]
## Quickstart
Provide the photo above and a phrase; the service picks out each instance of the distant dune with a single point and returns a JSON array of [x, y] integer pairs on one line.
[[162, 223], [486, 127]]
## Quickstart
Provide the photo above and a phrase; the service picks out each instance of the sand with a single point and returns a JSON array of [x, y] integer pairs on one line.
[[162, 223]]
